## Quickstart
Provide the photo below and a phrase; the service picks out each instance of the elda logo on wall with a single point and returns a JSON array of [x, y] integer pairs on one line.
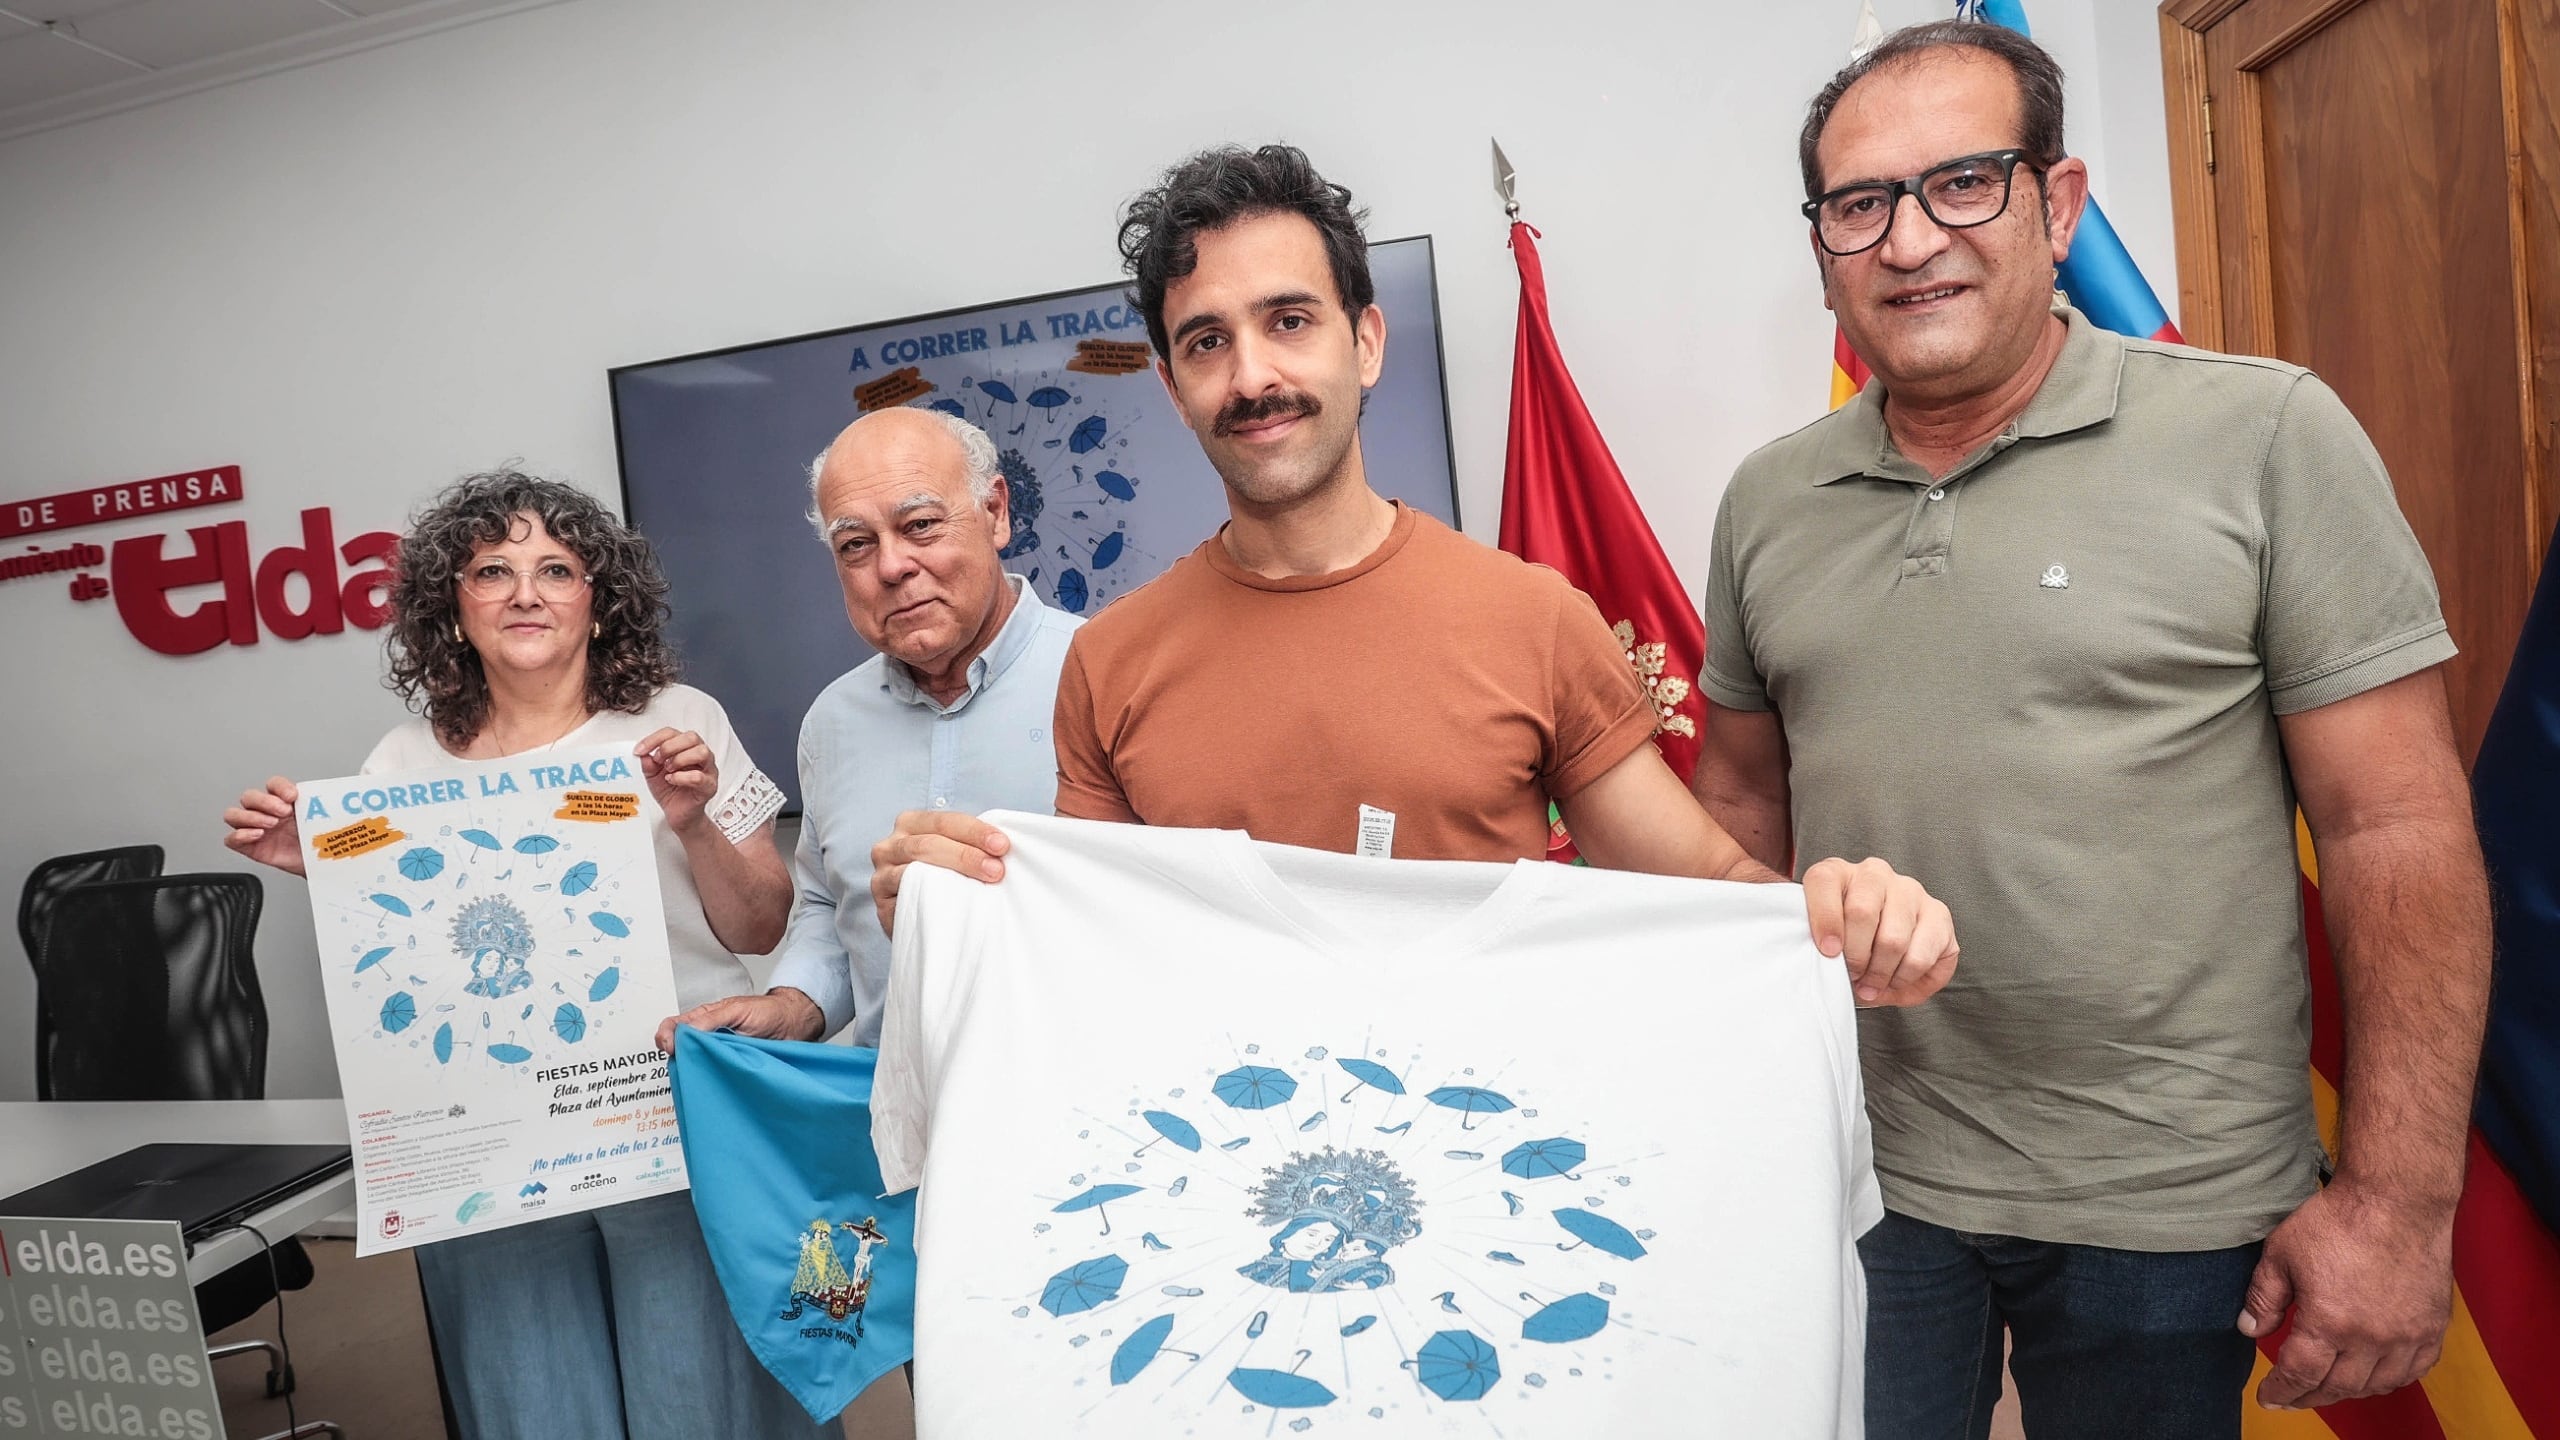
[[148, 576]]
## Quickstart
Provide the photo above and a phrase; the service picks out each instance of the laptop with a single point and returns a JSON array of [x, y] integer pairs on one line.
[[205, 1188]]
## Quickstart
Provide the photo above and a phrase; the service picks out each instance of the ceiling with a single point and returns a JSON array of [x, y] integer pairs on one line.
[[67, 60]]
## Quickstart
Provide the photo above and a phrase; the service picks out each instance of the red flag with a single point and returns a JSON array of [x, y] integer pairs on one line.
[[1566, 505]]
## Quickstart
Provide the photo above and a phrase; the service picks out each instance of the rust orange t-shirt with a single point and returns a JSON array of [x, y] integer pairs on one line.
[[1451, 685]]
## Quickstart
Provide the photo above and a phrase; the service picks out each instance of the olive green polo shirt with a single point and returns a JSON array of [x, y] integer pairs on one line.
[[2047, 685]]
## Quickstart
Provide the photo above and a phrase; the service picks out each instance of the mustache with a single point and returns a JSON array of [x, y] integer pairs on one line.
[[1265, 407]]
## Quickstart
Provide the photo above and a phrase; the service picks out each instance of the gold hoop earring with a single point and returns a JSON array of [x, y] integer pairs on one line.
[[457, 633], [596, 631]]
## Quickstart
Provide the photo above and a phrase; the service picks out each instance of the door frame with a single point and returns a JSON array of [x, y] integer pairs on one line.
[[2204, 125]]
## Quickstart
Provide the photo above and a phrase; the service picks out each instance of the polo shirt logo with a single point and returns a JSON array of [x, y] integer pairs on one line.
[[2055, 578]]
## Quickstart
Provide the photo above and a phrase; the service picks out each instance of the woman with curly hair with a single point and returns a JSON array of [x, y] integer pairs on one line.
[[525, 618]]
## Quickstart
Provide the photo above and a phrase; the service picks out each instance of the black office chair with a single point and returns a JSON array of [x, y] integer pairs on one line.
[[44, 886], [153, 994]]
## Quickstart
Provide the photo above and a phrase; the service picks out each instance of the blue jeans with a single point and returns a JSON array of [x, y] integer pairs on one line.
[[2104, 1343], [606, 1325]]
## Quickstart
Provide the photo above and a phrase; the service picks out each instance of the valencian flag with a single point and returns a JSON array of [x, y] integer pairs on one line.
[[1566, 505], [820, 1272], [2497, 1379]]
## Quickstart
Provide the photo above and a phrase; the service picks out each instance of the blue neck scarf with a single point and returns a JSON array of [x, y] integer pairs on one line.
[[820, 1272]]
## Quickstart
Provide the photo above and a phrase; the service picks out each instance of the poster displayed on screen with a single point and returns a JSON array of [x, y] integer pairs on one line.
[[494, 951], [1107, 487]]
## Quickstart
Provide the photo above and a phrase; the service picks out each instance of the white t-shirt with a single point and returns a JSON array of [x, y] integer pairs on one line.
[[705, 969], [1417, 1147]]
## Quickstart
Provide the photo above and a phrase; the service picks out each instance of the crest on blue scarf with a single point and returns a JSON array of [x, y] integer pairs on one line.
[[824, 1282]]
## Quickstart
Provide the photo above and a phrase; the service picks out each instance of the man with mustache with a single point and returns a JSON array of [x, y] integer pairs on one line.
[[2069, 623], [1335, 670]]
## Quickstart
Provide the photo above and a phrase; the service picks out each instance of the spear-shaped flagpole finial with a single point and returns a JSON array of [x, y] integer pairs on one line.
[[1870, 31], [1505, 182]]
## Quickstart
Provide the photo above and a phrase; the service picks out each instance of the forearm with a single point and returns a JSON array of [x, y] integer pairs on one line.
[[748, 903], [1697, 851], [1756, 819], [2407, 907], [1741, 781], [1637, 817], [811, 961]]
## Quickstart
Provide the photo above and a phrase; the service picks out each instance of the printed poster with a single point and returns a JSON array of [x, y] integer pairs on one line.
[[495, 957]]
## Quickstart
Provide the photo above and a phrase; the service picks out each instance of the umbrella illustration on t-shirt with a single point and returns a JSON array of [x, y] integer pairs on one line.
[[1575, 1317], [1281, 1389], [1258, 1087], [1535, 1159], [1456, 1365], [1470, 1101], [1141, 1348], [1095, 1199], [1083, 1285], [1600, 1233], [1169, 1126], [1371, 1074]]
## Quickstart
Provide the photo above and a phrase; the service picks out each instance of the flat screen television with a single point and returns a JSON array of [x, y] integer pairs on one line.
[[1107, 486]]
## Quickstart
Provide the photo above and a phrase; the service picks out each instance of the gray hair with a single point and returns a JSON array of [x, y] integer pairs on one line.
[[977, 453]]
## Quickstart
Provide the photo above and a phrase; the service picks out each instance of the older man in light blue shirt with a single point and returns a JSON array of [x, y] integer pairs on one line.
[[952, 714]]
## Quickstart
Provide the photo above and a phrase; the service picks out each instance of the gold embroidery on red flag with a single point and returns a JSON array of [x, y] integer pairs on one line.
[[1667, 691]]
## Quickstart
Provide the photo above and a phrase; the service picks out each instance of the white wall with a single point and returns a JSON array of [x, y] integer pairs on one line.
[[362, 278]]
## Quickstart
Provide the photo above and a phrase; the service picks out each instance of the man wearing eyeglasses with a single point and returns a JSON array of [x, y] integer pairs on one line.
[[2065, 625]]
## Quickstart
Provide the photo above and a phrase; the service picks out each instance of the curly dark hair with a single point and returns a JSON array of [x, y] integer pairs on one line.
[[439, 674], [1215, 189], [2039, 87]]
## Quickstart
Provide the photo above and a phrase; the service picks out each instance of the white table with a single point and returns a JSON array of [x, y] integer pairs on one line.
[[45, 1140]]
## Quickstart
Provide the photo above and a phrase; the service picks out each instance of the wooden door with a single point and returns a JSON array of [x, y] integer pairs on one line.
[[2364, 187]]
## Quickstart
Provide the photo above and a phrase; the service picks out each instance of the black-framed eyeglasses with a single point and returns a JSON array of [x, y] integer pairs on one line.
[[1964, 192]]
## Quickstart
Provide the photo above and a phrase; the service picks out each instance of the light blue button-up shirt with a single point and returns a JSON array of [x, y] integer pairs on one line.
[[874, 745]]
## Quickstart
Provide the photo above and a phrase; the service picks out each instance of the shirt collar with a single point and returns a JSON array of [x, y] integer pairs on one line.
[[2080, 391], [1010, 643]]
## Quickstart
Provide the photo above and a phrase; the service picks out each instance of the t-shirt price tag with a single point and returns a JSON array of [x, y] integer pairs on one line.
[[1377, 832]]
